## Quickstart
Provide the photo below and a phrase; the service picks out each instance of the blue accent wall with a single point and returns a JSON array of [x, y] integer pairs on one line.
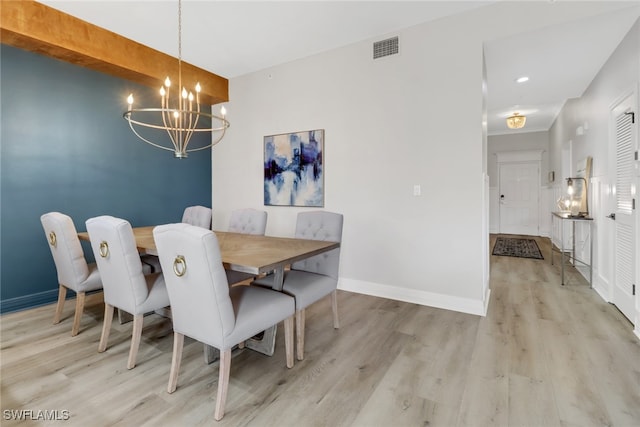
[[66, 148]]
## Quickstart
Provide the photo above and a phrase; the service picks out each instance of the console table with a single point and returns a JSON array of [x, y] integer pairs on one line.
[[565, 217]]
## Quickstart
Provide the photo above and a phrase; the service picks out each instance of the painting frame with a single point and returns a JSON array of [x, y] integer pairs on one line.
[[293, 166]]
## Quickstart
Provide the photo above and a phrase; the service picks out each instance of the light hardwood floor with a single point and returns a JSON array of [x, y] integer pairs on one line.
[[545, 355]]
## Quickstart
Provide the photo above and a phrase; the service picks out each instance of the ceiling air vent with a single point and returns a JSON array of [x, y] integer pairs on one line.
[[385, 47]]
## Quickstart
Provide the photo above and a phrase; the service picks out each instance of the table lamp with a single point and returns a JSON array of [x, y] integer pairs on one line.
[[571, 191]]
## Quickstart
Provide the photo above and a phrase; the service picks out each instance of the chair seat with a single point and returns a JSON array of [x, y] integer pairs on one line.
[[305, 286], [92, 282], [158, 296], [249, 305]]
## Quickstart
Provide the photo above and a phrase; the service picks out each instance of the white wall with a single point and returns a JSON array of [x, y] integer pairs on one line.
[[389, 124], [619, 75]]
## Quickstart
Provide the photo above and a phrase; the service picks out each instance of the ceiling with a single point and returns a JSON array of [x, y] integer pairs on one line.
[[232, 38]]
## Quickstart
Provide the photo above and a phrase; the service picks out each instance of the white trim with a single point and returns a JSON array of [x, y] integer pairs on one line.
[[415, 296], [519, 156], [494, 210]]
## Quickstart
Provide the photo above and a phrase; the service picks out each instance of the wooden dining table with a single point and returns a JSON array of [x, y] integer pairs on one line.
[[250, 254]]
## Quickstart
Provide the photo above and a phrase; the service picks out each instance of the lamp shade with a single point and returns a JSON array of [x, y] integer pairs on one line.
[[516, 121]]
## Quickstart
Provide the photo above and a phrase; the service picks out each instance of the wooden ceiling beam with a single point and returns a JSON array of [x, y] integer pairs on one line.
[[42, 29]]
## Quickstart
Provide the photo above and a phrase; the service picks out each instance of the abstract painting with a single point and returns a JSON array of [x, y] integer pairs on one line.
[[293, 169]]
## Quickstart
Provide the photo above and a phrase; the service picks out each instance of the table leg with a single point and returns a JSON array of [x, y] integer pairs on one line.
[[562, 250], [211, 354], [591, 254], [267, 344], [552, 219], [124, 317]]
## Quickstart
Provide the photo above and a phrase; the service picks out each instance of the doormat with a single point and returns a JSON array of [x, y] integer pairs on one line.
[[515, 247]]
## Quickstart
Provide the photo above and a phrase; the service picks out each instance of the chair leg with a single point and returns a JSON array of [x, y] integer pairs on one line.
[[62, 295], [288, 340], [223, 382], [135, 340], [334, 306], [300, 333], [78, 316], [178, 342], [106, 327]]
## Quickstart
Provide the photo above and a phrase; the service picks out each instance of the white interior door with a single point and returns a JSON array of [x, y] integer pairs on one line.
[[519, 195], [625, 145]]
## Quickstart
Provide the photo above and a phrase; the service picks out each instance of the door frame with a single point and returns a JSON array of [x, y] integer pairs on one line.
[[520, 157], [635, 105]]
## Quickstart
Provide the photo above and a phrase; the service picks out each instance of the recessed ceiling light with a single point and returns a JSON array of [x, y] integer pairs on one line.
[[522, 79]]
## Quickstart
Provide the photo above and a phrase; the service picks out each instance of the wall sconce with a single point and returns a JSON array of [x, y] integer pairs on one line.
[[575, 207]]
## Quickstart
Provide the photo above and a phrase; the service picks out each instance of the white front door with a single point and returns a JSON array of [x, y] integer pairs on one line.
[[519, 195], [625, 145]]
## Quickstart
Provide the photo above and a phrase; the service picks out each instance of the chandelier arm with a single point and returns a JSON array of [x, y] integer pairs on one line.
[[220, 137], [222, 120], [165, 108], [200, 148], [146, 140], [192, 124]]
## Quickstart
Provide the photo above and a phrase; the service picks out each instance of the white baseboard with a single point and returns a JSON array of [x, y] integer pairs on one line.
[[447, 302]]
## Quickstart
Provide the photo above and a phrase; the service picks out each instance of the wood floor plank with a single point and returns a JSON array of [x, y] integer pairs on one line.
[[544, 355], [529, 403]]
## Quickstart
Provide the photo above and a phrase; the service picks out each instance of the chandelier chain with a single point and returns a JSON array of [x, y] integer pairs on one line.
[[179, 48]]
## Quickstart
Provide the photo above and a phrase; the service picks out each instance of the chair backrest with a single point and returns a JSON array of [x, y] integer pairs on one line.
[[248, 221], [66, 250], [320, 225], [198, 215], [196, 282], [118, 260]]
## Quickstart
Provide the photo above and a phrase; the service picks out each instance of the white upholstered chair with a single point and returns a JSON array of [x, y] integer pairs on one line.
[[125, 285], [206, 309], [73, 270], [198, 215], [246, 221], [194, 215], [316, 277]]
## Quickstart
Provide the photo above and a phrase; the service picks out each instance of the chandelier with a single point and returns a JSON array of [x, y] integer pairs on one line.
[[516, 121], [178, 119]]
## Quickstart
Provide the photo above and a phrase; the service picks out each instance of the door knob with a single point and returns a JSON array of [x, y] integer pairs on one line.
[[612, 216]]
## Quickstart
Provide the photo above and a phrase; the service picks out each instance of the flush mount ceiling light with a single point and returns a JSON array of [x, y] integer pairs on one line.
[[516, 121], [522, 79], [178, 119]]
